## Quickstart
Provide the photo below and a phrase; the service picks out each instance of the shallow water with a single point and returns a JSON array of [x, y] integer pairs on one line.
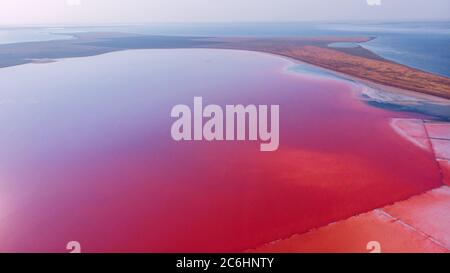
[[87, 154], [33, 34], [344, 45]]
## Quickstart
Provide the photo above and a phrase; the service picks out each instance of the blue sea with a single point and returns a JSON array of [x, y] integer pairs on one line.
[[422, 45]]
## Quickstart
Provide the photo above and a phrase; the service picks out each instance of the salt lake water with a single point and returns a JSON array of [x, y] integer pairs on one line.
[[87, 155]]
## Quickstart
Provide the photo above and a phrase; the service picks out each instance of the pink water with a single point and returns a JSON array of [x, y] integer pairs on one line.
[[86, 155]]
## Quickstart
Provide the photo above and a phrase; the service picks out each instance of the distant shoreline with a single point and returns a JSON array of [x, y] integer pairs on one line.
[[356, 62]]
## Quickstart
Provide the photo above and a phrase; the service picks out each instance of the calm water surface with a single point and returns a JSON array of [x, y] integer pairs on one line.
[[86, 154]]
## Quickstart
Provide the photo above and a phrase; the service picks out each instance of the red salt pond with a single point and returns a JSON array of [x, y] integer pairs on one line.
[[419, 224], [86, 155], [445, 169]]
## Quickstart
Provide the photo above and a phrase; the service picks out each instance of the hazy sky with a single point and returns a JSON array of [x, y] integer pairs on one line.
[[147, 11]]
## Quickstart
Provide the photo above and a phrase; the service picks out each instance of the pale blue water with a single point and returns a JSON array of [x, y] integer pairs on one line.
[[344, 45], [428, 52], [22, 35], [423, 45]]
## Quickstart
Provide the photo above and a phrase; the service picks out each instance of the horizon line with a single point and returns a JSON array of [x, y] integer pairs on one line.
[[107, 24]]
